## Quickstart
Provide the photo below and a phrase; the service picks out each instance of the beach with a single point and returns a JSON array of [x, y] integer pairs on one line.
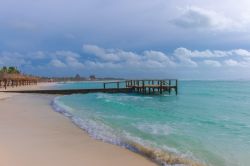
[[127, 129], [32, 133]]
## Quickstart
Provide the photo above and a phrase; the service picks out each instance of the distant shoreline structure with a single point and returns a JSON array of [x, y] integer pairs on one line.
[[12, 77], [77, 78]]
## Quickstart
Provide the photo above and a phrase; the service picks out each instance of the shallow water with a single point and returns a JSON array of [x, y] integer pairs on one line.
[[208, 123]]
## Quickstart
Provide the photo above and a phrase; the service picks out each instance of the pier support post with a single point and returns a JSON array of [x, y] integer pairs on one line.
[[176, 87], [161, 87], [118, 83], [143, 87], [169, 88]]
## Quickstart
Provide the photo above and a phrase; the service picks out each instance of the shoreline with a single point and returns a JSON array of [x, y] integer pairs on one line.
[[157, 156], [32, 133]]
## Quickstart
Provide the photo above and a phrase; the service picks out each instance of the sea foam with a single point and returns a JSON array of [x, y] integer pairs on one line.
[[105, 133]]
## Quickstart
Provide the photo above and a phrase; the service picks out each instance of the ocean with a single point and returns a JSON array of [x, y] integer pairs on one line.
[[207, 123]]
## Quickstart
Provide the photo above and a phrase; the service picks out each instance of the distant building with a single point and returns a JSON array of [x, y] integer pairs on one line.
[[92, 77], [77, 77]]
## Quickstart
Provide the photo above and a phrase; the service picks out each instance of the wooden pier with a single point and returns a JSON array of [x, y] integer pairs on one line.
[[149, 87]]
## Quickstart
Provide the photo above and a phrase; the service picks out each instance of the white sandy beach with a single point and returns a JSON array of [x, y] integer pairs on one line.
[[31, 133]]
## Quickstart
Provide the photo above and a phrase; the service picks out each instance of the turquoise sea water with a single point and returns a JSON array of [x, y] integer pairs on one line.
[[208, 123]]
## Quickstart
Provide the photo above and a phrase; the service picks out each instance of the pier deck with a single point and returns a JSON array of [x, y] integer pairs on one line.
[[124, 86]]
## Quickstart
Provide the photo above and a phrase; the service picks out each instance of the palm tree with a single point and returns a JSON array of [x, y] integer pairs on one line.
[[13, 70], [9, 70], [4, 69]]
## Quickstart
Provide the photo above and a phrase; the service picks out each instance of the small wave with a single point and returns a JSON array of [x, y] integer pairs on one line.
[[164, 158], [102, 132], [93, 128], [60, 107], [123, 97], [155, 129]]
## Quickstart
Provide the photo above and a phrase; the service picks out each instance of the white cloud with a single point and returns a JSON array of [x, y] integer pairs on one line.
[[37, 55], [66, 54], [110, 54], [159, 57], [200, 18], [148, 59], [207, 54], [181, 57], [57, 63], [231, 62], [235, 63], [12, 59], [212, 63], [242, 52], [100, 53], [102, 65], [68, 59], [61, 59], [184, 56], [74, 63]]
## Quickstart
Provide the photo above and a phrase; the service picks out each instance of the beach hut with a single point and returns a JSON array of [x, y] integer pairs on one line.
[[15, 79]]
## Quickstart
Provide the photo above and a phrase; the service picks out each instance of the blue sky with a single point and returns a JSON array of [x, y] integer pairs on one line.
[[186, 39]]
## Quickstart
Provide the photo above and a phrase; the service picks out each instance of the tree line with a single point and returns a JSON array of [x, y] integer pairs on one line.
[[9, 70]]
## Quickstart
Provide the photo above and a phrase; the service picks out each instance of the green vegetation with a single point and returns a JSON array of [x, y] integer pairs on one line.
[[9, 70]]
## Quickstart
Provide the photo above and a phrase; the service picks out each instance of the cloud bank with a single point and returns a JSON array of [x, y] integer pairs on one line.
[[193, 17], [128, 63]]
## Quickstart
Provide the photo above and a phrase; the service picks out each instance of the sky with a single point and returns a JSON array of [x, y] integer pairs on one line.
[[184, 39]]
